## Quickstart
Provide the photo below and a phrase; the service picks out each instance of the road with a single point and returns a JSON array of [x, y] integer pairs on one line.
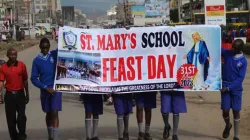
[[202, 122]]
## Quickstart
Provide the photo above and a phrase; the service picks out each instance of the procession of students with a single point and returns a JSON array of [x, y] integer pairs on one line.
[[15, 77]]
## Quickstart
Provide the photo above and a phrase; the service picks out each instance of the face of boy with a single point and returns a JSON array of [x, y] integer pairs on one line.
[[237, 46]]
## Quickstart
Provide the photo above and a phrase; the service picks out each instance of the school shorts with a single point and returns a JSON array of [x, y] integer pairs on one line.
[[123, 103], [173, 102], [51, 102], [93, 103], [231, 100], [146, 100]]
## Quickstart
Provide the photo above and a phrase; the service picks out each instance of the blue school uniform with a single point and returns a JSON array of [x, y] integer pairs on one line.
[[93, 103], [43, 76], [123, 103], [146, 100], [234, 71], [173, 102]]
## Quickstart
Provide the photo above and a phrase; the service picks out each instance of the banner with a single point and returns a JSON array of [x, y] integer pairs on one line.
[[185, 58], [215, 12], [135, 2], [155, 9]]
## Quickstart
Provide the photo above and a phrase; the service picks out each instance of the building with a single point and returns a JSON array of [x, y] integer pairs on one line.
[[111, 14], [40, 5], [120, 14]]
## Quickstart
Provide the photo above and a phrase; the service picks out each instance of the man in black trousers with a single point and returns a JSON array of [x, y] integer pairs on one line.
[[14, 75]]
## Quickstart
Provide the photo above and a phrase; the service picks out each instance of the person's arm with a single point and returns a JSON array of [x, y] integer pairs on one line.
[[35, 76], [2, 79], [238, 82]]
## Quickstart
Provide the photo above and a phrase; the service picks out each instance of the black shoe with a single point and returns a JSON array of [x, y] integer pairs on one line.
[[125, 136], [147, 136], [226, 132], [166, 133], [88, 139], [22, 136], [141, 136], [175, 137], [95, 138], [121, 139], [236, 138]]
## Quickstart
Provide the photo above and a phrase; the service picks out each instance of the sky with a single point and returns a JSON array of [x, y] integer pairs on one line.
[[92, 8]]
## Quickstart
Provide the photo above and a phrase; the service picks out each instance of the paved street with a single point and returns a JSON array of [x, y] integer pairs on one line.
[[202, 122]]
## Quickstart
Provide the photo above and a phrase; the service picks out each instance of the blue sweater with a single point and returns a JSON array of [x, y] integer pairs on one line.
[[43, 70], [234, 70]]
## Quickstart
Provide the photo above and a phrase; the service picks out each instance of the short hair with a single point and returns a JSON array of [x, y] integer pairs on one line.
[[10, 50], [238, 43], [43, 41]]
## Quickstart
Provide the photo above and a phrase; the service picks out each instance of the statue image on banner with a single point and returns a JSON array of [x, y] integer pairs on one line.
[[199, 57]]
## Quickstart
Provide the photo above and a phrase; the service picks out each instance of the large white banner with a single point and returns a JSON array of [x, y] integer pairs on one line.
[[215, 12], [139, 59]]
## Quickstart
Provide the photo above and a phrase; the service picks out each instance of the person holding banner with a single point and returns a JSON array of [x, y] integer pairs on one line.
[[123, 104], [146, 101], [172, 102], [233, 75], [93, 104], [43, 76]]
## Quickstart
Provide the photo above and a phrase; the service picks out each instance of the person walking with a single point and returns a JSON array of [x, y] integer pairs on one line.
[[14, 75]]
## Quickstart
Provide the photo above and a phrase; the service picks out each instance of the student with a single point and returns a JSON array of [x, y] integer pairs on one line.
[[14, 76], [93, 104], [233, 75], [43, 76], [172, 102], [123, 104], [146, 101]]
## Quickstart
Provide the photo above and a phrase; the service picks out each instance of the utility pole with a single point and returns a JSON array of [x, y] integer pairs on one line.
[[14, 13], [179, 10], [125, 12], [29, 17]]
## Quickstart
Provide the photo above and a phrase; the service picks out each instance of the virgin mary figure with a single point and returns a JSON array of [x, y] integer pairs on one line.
[[199, 57]]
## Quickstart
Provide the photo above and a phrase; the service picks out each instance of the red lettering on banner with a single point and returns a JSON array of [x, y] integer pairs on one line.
[[124, 37], [157, 67], [101, 42], [125, 70], [139, 65], [151, 67], [112, 70], [131, 71], [133, 41], [110, 45], [121, 70], [104, 69], [117, 42], [171, 63], [86, 38], [161, 73]]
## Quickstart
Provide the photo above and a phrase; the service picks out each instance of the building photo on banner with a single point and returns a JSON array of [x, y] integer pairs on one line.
[[215, 12], [185, 58], [157, 8]]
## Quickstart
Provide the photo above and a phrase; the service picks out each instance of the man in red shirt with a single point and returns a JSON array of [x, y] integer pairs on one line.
[[14, 75]]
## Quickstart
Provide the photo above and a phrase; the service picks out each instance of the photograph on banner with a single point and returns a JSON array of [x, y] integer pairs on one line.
[[185, 58]]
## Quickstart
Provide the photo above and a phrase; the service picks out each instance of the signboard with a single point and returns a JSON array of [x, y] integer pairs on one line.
[[136, 2], [155, 9], [138, 11], [139, 59], [2, 13], [215, 12]]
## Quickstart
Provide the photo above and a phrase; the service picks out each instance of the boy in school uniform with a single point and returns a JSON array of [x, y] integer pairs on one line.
[[123, 104], [172, 102], [93, 104], [233, 75], [43, 76], [146, 101]]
